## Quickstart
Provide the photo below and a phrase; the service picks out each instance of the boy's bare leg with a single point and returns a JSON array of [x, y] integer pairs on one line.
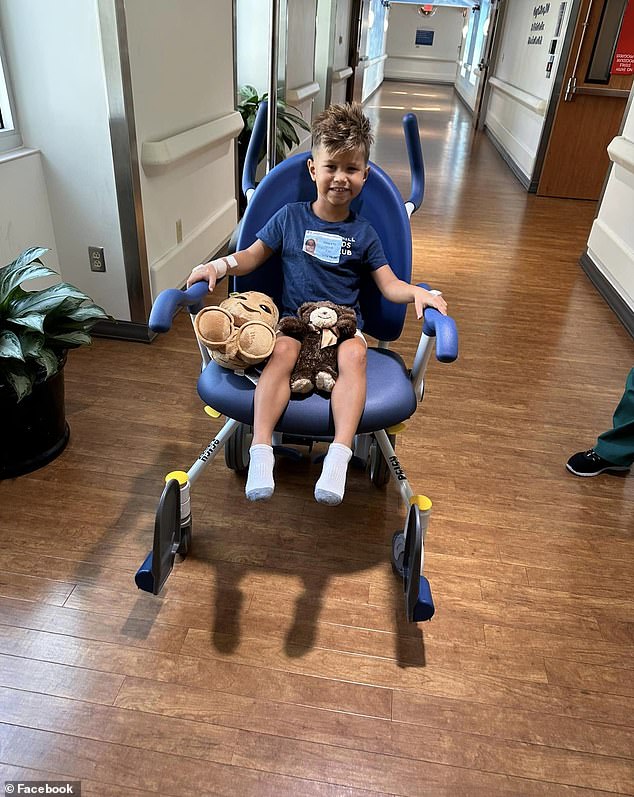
[[347, 401], [271, 397]]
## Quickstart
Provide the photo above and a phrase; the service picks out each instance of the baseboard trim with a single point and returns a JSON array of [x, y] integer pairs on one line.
[[124, 330], [614, 300], [529, 185], [464, 102]]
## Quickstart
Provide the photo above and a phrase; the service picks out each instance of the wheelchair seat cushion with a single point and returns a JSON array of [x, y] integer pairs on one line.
[[390, 398]]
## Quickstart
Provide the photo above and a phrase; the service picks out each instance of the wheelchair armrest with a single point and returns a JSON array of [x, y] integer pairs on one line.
[[168, 302], [444, 329]]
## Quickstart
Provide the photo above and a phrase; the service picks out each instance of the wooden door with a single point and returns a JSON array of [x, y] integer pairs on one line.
[[590, 107]]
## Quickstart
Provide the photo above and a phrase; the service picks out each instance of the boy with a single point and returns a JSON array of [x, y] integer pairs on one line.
[[325, 250]]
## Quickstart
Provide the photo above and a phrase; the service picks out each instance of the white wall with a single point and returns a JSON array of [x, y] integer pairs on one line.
[[341, 50], [181, 60], [520, 89], [332, 51], [301, 87], [181, 63], [611, 241], [25, 216], [421, 63], [54, 56]]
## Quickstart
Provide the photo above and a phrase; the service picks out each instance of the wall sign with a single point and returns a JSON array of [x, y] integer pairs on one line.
[[537, 25], [424, 37], [623, 63]]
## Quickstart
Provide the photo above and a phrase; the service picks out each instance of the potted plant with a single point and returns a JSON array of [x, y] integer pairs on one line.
[[36, 330], [287, 116]]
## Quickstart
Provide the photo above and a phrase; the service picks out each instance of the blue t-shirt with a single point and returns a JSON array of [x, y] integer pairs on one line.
[[321, 260]]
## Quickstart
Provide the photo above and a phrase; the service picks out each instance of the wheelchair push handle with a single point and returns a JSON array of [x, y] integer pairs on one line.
[[168, 302], [416, 164], [253, 150]]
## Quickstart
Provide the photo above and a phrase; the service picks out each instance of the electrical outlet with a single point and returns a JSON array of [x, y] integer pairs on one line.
[[97, 259], [179, 230]]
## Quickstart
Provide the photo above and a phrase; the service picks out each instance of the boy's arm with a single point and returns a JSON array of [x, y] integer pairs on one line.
[[401, 292], [242, 262]]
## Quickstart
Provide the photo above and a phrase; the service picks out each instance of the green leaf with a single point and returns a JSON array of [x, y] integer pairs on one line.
[[33, 321], [88, 313], [10, 345], [67, 306], [248, 92], [29, 255], [49, 361], [22, 270], [295, 119], [18, 377], [288, 131], [75, 338], [31, 343], [46, 300]]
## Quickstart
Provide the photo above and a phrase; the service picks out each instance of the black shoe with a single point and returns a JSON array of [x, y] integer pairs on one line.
[[589, 463]]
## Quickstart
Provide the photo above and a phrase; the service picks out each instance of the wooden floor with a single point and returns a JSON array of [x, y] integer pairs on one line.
[[277, 661]]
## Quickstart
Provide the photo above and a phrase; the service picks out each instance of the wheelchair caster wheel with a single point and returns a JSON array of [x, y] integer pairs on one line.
[[398, 552], [379, 468], [186, 540], [237, 449]]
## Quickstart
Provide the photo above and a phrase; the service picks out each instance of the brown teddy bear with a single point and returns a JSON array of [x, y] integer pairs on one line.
[[240, 332], [320, 326]]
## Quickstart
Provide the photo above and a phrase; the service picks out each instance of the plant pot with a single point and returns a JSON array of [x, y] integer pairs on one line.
[[33, 431]]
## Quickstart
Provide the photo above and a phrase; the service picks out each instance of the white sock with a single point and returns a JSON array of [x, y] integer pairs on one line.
[[332, 482], [260, 484]]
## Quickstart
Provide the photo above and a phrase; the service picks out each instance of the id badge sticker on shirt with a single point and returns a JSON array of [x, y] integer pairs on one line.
[[323, 245]]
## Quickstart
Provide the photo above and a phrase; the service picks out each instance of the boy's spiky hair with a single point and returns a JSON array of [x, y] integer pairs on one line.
[[341, 128]]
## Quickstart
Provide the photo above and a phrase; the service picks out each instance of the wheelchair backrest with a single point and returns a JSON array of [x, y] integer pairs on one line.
[[380, 203]]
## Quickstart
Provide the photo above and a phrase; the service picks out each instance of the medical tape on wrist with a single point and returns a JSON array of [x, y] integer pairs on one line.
[[222, 263]]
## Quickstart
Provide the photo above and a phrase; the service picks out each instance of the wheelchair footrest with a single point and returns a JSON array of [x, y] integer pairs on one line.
[[143, 577], [424, 606], [169, 539], [407, 549]]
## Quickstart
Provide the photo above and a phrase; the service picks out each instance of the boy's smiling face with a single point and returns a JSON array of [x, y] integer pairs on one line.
[[339, 178]]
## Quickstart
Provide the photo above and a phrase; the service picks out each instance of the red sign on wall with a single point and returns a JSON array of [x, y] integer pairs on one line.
[[623, 63]]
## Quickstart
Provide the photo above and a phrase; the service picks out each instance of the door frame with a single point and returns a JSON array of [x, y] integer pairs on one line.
[[558, 85], [489, 59], [359, 12]]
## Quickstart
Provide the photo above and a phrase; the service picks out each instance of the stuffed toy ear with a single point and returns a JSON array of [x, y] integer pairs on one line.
[[214, 327], [306, 309], [255, 341]]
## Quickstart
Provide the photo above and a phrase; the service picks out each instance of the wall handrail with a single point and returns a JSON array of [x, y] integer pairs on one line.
[[373, 61], [422, 58], [302, 93], [621, 152], [530, 101], [169, 151], [341, 74]]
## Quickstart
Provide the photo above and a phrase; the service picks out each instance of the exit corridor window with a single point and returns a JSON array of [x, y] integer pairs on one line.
[[9, 136]]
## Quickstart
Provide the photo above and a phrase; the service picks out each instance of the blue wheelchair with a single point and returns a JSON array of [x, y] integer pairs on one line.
[[393, 390]]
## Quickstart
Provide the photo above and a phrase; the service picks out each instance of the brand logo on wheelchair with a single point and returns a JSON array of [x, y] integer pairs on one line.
[[398, 471], [209, 450]]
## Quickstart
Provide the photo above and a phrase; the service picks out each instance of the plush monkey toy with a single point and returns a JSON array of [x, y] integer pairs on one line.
[[240, 332], [320, 326]]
